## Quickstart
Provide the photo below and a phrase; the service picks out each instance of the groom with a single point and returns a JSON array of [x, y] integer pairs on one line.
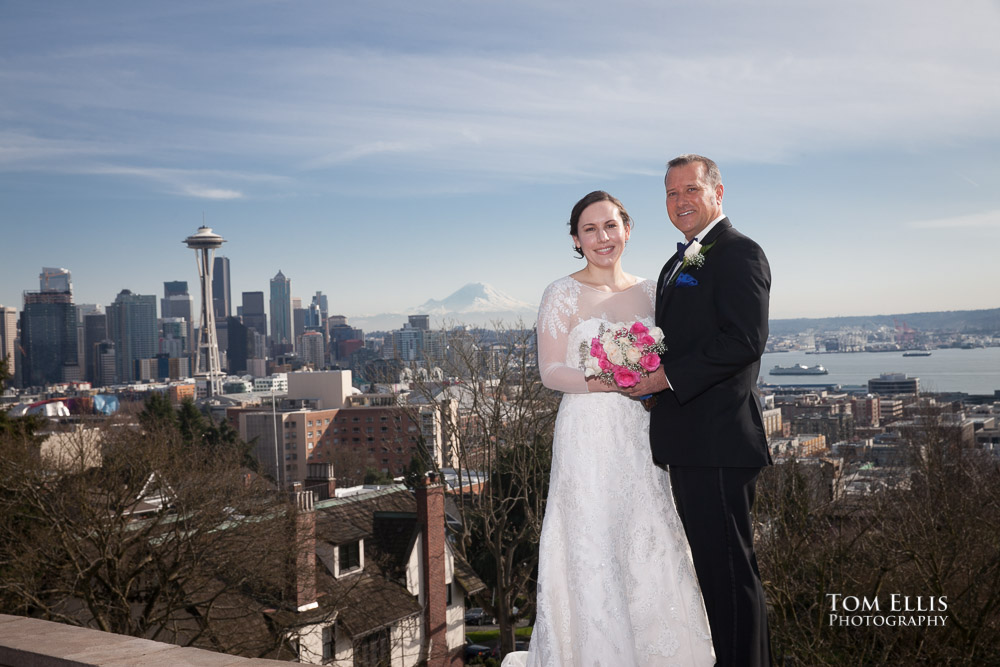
[[706, 424]]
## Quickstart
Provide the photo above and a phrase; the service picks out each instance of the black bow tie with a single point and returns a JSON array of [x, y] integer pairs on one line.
[[681, 247]]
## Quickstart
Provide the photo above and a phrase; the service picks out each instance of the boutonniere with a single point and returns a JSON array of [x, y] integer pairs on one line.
[[694, 255], [694, 258]]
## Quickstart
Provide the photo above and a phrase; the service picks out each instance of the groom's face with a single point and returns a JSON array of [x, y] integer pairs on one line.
[[691, 202]]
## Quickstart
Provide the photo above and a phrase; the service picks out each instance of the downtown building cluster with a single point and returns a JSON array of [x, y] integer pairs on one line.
[[283, 362], [53, 340]]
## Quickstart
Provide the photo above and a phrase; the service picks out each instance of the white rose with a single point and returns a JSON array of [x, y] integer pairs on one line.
[[656, 333], [591, 368], [615, 356], [633, 355], [692, 250]]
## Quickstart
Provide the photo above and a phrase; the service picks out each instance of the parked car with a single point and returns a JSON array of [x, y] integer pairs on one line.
[[473, 651], [477, 616], [518, 646]]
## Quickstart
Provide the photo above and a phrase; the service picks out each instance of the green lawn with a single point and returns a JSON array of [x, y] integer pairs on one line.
[[483, 636]]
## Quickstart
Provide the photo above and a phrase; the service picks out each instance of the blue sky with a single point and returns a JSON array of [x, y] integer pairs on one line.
[[390, 152]]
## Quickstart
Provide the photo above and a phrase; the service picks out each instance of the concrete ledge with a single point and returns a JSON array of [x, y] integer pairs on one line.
[[31, 642]]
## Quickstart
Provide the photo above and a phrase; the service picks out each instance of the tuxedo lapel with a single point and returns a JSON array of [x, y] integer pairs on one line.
[[667, 285], [661, 283], [720, 227]]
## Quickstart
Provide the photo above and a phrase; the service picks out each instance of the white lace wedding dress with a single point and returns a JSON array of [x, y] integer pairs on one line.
[[616, 586]]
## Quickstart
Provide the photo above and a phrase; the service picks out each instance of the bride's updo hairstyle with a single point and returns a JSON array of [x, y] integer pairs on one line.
[[593, 198]]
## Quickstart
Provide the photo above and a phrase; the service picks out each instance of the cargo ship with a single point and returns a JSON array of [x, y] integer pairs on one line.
[[799, 369]]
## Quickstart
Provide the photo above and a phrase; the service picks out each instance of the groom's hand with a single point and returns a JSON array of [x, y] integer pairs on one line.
[[653, 383]]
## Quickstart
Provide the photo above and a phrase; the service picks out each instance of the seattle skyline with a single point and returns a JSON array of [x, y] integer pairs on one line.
[[389, 154]]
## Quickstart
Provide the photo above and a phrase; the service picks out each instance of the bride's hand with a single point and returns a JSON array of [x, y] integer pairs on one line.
[[595, 385]]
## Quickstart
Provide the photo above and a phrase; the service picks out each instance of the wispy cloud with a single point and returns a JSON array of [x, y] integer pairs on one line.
[[986, 219], [177, 181], [490, 95]]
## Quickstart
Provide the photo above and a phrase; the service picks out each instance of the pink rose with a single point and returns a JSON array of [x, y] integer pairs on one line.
[[626, 378], [650, 362], [638, 328], [605, 364], [597, 350], [644, 340]]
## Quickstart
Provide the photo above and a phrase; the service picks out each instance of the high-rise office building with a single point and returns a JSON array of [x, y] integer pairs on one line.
[[407, 343], [222, 300], [95, 332], [105, 364], [8, 334], [238, 353], [82, 311], [312, 351], [319, 299], [48, 338], [340, 332], [422, 322], [299, 315], [54, 280], [175, 288], [132, 327], [282, 336], [254, 316], [176, 301], [314, 316], [174, 337]]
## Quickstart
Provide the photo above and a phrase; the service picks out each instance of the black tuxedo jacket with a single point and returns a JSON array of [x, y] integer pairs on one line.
[[715, 333]]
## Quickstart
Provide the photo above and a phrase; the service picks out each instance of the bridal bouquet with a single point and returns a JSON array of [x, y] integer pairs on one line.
[[622, 353]]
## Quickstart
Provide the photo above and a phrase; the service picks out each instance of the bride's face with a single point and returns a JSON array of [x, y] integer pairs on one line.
[[601, 234]]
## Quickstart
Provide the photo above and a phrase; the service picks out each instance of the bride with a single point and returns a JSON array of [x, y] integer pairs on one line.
[[616, 586]]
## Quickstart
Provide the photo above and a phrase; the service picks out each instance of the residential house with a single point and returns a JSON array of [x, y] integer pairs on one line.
[[388, 587]]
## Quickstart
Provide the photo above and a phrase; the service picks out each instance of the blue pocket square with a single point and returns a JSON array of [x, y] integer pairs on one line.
[[686, 280]]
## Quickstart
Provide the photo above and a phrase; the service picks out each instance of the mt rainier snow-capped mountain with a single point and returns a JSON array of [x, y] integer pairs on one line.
[[473, 298], [475, 304]]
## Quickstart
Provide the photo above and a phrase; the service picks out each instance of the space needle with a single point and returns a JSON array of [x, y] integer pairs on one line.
[[207, 365]]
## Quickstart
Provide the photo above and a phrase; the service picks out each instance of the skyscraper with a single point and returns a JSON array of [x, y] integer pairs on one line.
[[239, 352], [281, 314], [299, 316], [222, 300], [8, 333], [175, 288], [254, 316], [132, 327], [313, 349], [174, 337], [95, 332], [319, 299], [176, 301], [105, 364], [48, 338]]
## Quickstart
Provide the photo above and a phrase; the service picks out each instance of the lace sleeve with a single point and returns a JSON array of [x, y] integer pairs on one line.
[[556, 317], [649, 287]]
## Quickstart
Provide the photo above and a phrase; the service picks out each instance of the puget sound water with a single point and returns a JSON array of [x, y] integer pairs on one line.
[[975, 371]]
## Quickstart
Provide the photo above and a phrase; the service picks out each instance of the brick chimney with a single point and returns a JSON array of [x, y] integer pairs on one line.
[[430, 513], [302, 580], [319, 478]]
